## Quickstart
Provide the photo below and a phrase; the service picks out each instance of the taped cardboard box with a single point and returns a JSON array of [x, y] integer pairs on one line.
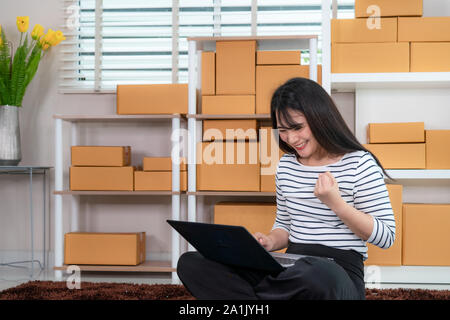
[[437, 151], [102, 178], [430, 57], [104, 248], [369, 57], [362, 31], [208, 73], [396, 132], [270, 155], [426, 240], [101, 156], [152, 99], [388, 8], [278, 57], [161, 164], [157, 180], [424, 29], [235, 67], [399, 155], [229, 130], [393, 255], [230, 104]]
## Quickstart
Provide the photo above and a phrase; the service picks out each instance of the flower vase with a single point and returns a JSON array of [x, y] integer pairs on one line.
[[10, 151]]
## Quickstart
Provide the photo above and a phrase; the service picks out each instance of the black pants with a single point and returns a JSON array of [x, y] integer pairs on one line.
[[311, 277]]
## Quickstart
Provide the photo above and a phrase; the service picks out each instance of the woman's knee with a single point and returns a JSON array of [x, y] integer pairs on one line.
[[187, 263]]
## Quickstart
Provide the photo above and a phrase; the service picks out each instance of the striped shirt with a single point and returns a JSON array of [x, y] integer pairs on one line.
[[308, 220]]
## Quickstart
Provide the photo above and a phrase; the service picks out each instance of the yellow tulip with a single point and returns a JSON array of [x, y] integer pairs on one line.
[[57, 37], [22, 23], [47, 39], [38, 31], [1, 40]]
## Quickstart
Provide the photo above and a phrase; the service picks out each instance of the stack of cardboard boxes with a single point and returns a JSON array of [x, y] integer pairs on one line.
[[390, 36], [157, 175]]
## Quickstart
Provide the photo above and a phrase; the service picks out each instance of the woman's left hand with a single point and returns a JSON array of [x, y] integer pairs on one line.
[[327, 190]]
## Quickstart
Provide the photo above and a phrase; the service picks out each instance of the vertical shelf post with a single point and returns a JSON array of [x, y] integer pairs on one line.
[[59, 248], [75, 200], [175, 138], [326, 45]]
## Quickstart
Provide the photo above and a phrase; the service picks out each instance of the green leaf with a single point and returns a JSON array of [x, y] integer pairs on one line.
[[18, 74], [5, 70]]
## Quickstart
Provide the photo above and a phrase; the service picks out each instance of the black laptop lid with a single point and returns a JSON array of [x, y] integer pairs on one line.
[[231, 245]]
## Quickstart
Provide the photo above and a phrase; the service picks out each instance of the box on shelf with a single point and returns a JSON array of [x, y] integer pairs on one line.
[[235, 67], [360, 31], [424, 29], [161, 164], [229, 130], [208, 73], [228, 166], [101, 156], [102, 178], [152, 99], [369, 57], [388, 8], [104, 248], [277, 57], [393, 255], [270, 154], [437, 151], [430, 57], [157, 180], [228, 104], [426, 240], [269, 78], [396, 132], [399, 155]]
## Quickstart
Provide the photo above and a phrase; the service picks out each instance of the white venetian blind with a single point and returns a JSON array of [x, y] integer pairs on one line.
[[112, 42]]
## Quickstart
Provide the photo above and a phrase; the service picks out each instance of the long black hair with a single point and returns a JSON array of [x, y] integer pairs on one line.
[[323, 117]]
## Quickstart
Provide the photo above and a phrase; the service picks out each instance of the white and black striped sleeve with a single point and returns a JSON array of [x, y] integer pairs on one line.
[[283, 218], [371, 197]]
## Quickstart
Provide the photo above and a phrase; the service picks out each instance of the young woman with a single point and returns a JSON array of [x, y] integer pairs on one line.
[[331, 200]]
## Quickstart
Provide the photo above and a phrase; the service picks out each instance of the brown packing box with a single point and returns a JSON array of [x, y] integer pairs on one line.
[[399, 155], [369, 57], [208, 73], [157, 180], [104, 248], [220, 170], [229, 130], [437, 149], [389, 8], [426, 240], [235, 67], [228, 104], [396, 132], [430, 57], [393, 255], [269, 78], [358, 31], [277, 57], [161, 164], [101, 156], [101, 178], [424, 29], [268, 164], [152, 99]]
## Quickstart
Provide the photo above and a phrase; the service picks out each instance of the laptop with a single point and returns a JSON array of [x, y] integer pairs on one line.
[[232, 245]]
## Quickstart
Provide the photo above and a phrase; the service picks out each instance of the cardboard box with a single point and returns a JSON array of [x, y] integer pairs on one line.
[[228, 104], [267, 183], [100, 156], [157, 180], [424, 29], [278, 57], [396, 132], [369, 57], [398, 155], [269, 78], [104, 248], [437, 151], [270, 155], [393, 255], [101, 178], [228, 166], [230, 130], [360, 31], [388, 8], [208, 73], [426, 240], [152, 99], [430, 57], [161, 164], [235, 67]]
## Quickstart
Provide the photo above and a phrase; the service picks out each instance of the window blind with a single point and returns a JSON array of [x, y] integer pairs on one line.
[[112, 42]]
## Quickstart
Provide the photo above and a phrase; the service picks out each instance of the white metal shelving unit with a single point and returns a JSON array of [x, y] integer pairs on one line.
[[147, 266]]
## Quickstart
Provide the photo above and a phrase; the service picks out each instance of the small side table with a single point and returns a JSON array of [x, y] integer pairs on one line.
[[30, 171]]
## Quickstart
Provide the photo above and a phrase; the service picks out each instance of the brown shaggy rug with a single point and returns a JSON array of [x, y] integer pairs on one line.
[[49, 290]]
